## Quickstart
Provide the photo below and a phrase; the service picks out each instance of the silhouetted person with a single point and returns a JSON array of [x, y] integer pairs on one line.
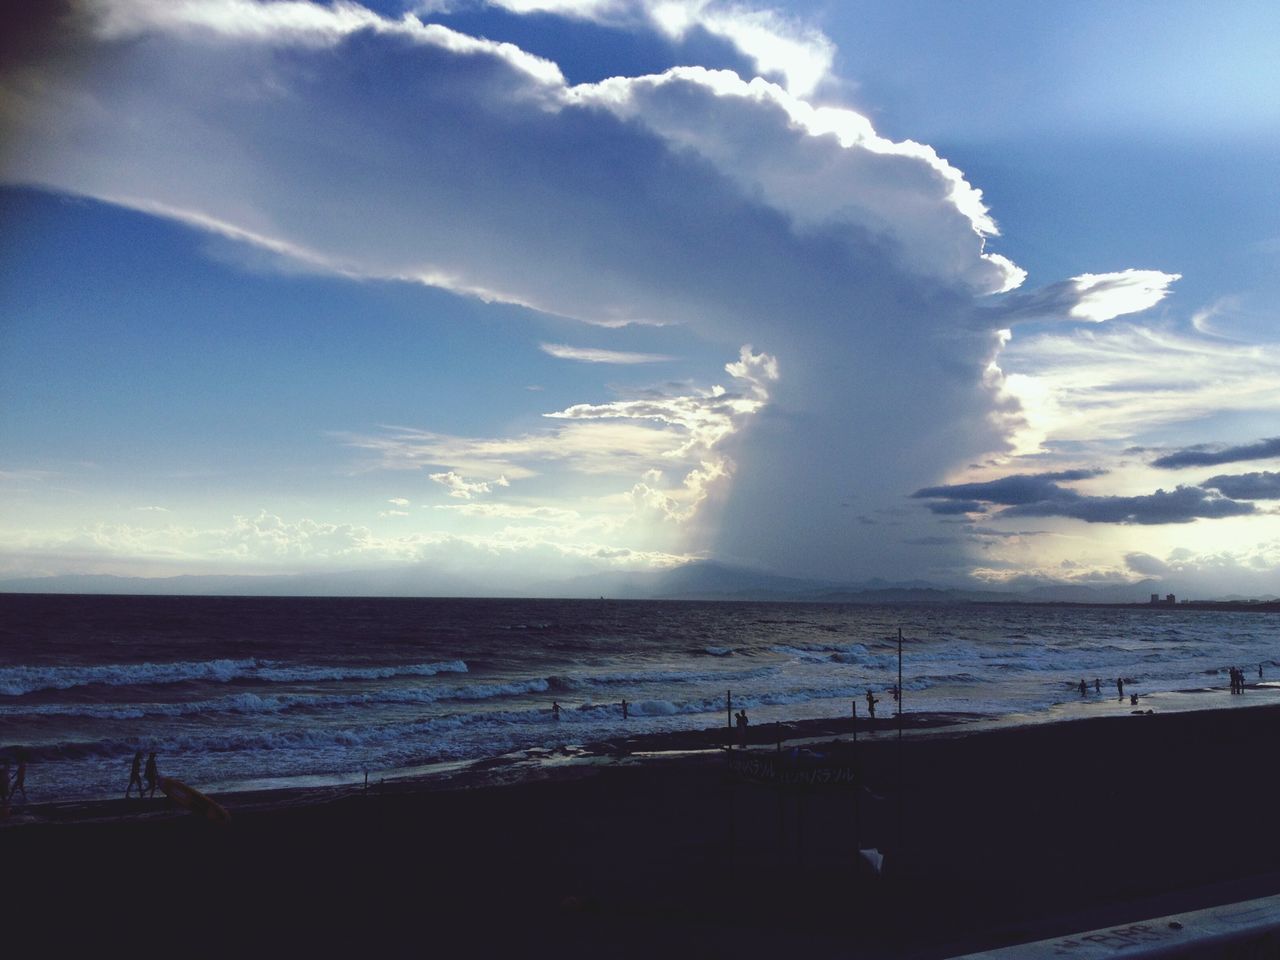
[[152, 774], [1084, 689], [19, 780], [742, 728], [1120, 686], [135, 775], [624, 709], [1097, 685], [871, 709], [555, 710], [1133, 699]]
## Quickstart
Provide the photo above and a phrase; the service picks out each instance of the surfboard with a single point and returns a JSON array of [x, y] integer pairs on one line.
[[193, 800]]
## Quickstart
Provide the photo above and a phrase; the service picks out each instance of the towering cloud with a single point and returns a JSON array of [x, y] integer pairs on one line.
[[345, 141]]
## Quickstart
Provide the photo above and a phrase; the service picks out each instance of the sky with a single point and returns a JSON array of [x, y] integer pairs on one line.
[[505, 293]]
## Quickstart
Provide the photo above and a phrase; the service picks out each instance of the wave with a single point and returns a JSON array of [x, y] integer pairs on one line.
[[571, 683], [17, 681], [253, 703]]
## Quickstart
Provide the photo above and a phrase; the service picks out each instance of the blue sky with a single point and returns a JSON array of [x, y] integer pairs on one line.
[[516, 291]]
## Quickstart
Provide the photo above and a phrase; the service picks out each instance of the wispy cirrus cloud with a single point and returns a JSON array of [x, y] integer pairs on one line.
[[598, 355], [1120, 383]]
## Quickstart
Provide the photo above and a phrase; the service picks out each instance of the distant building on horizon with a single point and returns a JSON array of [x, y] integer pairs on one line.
[[1169, 600]]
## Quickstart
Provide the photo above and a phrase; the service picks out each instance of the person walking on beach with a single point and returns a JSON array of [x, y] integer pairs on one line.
[[871, 710], [1120, 686], [1097, 685], [135, 775], [742, 729], [1083, 688], [152, 774]]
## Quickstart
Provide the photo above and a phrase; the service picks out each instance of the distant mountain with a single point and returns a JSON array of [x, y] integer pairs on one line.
[[709, 580], [700, 580]]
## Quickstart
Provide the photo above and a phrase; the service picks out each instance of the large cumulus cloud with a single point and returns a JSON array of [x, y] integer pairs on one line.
[[349, 142]]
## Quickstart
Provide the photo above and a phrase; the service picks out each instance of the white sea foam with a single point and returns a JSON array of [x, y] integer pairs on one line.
[[16, 681]]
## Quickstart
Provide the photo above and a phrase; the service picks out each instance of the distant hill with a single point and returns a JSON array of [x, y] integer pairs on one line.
[[700, 580], [709, 580]]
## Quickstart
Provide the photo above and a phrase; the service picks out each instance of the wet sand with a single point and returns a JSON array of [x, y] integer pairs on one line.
[[1006, 835]]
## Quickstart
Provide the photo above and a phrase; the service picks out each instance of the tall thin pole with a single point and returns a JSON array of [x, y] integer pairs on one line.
[[899, 741], [899, 682]]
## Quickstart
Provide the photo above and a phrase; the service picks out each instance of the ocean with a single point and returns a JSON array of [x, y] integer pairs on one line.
[[238, 693]]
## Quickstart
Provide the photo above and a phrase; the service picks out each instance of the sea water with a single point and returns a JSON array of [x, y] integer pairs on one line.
[[234, 691]]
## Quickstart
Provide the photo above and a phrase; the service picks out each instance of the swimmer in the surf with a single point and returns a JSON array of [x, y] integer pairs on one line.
[[135, 775]]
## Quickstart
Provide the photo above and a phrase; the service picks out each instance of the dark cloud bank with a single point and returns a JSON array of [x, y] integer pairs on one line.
[[1041, 495], [1203, 455]]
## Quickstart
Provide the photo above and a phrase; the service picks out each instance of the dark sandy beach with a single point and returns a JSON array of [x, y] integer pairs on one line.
[[1006, 835]]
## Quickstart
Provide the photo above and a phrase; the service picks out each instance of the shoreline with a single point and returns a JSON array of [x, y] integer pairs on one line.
[[835, 735], [1007, 834]]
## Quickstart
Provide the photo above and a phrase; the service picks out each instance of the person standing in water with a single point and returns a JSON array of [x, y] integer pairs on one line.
[[1120, 686], [135, 775], [20, 779], [152, 774], [555, 710]]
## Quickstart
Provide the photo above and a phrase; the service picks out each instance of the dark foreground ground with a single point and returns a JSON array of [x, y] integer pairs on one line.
[[1007, 836]]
